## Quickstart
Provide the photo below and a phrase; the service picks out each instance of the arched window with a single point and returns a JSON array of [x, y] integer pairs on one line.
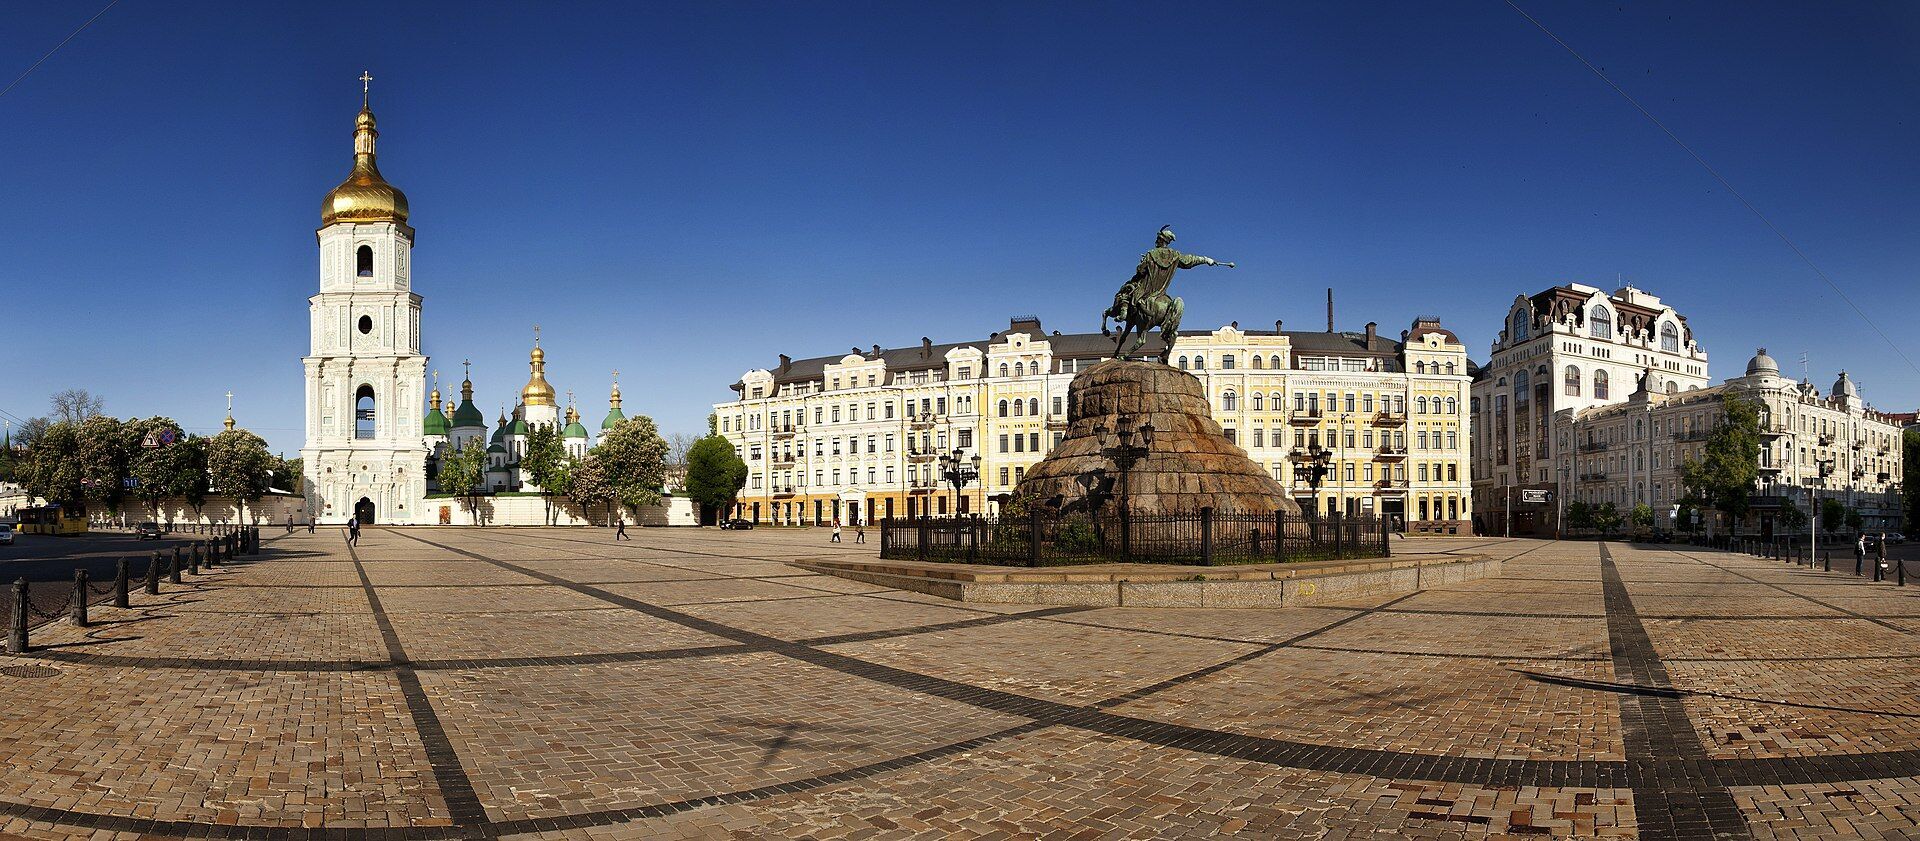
[[363, 261], [1573, 381], [1003, 369], [1521, 392], [1003, 408], [1199, 363], [1672, 387], [1183, 363], [1600, 323], [1420, 405], [1033, 405], [1257, 399], [1019, 369], [1449, 368], [1019, 408], [1599, 385], [1453, 406], [1229, 402], [1258, 362], [1669, 338], [1419, 367], [1274, 361], [1519, 325], [363, 407]]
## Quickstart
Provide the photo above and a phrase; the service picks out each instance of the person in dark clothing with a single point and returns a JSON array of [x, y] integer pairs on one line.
[[622, 533], [353, 532]]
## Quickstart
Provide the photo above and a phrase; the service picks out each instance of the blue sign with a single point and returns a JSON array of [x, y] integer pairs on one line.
[[168, 436]]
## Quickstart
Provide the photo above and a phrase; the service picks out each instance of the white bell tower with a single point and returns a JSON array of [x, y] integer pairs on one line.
[[364, 454]]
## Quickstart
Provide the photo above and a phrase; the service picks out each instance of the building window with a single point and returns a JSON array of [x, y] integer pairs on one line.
[[1199, 363], [1600, 323], [363, 261], [1669, 338], [1519, 326], [1226, 362], [1059, 405], [1003, 408], [1573, 381], [1033, 406], [1599, 385], [1003, 369], [363, 407], [1229, 402], [366, 325], [1257, 362], [1256, 398]]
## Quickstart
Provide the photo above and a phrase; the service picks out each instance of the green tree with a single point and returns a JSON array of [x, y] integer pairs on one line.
[[715, 473], [289, 475], [104, 454], [157, 469], [462, 471], [1641, 517], [52, 469], [545, 462], [1606, 518], [1832, 515], [587, 486], [1686, 517], [1854, 521], [241, 466], [1579, 515], [634, 458], [1722, 476], [1910, 476], [1792, 519]]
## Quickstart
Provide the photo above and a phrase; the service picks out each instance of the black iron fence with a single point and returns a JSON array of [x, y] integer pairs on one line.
[[1204, 538], [30, 604]]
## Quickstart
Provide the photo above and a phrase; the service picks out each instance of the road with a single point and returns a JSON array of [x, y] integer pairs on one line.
[[47, 563]]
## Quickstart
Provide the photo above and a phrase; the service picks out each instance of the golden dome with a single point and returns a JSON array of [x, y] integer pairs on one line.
[[365, 196], [538, 391]]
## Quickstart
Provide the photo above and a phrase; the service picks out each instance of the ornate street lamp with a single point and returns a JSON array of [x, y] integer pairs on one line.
[[1317, 469], [1124, 452], [958, 471]]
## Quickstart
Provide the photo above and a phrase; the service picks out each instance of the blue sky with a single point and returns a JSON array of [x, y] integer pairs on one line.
[[683, 192]]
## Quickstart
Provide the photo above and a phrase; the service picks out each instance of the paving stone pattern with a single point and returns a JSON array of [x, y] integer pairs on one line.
[[458, 683]]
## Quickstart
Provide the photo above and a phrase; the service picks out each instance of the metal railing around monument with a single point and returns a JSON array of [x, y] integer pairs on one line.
[[1203, 538]]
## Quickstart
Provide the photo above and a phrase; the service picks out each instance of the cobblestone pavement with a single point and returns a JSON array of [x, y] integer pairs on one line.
[[553, 684]]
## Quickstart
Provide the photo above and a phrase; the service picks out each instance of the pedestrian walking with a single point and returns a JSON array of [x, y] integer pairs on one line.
[[836, 531], [859, 532], [622, 533], [353, 531], [1880, 550], [289, 522], [1859, 550], [309, 525]]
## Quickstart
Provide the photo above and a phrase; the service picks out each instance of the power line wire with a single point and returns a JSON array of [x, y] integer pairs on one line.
[[1717, 177], [56, 47]]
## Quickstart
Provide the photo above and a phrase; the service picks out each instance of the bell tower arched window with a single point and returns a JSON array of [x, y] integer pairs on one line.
[[363, 406], [363, 261]]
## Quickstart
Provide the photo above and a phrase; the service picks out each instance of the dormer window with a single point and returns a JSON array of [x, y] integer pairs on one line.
[[1519, 326], [1600, 323], [363, 261], [1669, 338]]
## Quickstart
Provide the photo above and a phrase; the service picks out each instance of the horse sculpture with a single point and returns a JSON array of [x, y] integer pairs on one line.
[[1143, 303]]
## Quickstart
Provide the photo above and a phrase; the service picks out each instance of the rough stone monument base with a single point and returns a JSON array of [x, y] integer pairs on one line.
[[1191, 465]]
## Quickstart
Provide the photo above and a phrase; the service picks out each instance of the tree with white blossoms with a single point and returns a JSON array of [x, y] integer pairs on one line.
[[633, 457], [240, 466]]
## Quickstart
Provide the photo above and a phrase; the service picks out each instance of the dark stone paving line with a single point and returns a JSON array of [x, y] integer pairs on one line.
[[1672, 798], [1255, 654], [1874, 619], [1461, 656], [463, 804]]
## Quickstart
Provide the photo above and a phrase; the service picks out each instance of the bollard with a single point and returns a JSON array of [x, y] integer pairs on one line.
[[1902, 574], [198, 558], [173, 566], [193, 562], [80, 597], [120, 584], [1206, 536], [213, 554], [153, 575], [1826, 561], [17, 629]]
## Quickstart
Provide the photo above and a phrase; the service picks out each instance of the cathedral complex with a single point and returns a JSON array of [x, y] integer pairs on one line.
[[371, 451]]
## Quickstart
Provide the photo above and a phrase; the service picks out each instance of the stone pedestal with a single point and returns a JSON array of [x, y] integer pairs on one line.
[[1191, 466]]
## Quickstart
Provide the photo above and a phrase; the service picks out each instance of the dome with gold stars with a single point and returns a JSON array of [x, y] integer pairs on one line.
[[365, 196]]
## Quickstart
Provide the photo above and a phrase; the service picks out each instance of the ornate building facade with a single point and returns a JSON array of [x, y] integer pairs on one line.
[[859, 436]]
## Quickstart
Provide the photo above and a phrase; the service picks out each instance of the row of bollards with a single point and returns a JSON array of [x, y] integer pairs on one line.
[[1784, 549], [222, 549]]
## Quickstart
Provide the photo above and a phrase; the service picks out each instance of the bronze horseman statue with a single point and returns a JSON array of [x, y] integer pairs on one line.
[[1143, 302]]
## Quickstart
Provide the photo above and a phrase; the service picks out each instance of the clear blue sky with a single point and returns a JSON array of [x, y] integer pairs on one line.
[[682, 192]]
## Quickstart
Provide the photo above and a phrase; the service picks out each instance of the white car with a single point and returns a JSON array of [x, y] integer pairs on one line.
[[6, 534]]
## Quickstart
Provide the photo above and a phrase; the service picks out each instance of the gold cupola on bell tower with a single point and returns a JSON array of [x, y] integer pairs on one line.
[[538, 391], [365, 196]]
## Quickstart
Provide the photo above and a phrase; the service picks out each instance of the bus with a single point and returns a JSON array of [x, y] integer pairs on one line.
[[51, 519]]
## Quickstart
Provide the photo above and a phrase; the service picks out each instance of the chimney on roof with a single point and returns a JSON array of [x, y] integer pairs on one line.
[[1276, 325], [926, 347], [786, 363], [1372, 329], [1329, 309], [1235, 325], [857, 351], [876, 350]]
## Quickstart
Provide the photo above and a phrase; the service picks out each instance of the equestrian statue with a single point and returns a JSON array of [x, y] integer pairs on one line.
[[1143, 303]]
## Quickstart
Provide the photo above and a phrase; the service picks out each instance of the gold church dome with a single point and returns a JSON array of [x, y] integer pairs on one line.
[[365, 196], [538, 391]]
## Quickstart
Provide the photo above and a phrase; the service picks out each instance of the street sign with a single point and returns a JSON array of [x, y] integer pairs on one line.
[[1536, 497]]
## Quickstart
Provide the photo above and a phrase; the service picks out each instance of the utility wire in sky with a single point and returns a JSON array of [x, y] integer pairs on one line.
[[1717, 177], [56, 48]]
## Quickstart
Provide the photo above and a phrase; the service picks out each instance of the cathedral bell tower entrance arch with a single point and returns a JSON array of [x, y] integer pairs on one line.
[[363, 511]]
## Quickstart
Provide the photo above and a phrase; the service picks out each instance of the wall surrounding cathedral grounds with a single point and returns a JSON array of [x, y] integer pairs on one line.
[[534, 511]]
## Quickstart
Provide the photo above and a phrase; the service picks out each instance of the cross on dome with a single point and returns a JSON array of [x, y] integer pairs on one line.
[[366, 83]]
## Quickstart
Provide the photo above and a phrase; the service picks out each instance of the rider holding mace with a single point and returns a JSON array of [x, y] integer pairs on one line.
[[1143, 302]]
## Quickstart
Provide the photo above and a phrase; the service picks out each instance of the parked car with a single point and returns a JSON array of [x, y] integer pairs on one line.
[[6, 534], [148, 530], [1894, 538], [736, 524]]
